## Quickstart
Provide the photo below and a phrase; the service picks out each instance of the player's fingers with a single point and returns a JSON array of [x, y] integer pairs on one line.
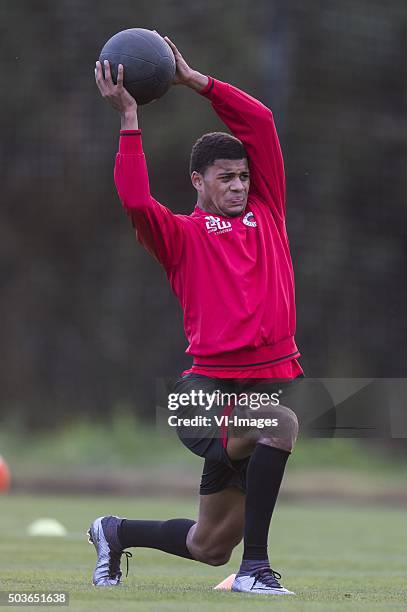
[[173, 47], [100, 82], [120, 75], [98, 71], [169, 41], [108, 75]]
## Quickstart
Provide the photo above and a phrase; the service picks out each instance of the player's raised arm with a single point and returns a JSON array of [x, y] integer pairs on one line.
[[251, 122], [157, 228]]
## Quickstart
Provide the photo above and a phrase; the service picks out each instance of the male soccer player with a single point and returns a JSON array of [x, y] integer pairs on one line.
[[229, 264]]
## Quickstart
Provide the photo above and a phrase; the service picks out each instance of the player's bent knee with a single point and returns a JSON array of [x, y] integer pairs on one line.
[[218, 559], [212, 556], [293, 425], [286, 435]]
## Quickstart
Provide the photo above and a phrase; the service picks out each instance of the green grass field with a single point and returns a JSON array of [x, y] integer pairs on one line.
[[335, 558]]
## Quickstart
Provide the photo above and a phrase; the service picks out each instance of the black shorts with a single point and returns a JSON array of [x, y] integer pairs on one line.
[[209, 442]]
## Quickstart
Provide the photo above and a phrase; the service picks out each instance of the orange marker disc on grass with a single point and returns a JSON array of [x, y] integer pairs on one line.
[[226, 584]]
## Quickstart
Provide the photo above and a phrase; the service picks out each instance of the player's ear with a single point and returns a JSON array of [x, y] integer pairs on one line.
[[197, 180]]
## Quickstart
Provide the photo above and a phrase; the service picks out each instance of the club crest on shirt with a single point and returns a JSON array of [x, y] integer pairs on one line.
[[214, 224], [249, 219]]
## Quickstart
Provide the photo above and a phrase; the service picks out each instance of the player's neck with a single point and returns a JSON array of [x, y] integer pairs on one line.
[[208, 207]]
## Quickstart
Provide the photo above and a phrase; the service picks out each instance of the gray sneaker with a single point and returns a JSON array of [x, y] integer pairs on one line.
[[262, 582], [103, 535]]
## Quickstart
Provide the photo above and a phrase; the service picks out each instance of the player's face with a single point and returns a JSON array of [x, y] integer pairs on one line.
[[224, 187]]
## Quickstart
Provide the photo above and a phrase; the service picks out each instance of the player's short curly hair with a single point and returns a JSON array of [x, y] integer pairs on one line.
[[213, 146]]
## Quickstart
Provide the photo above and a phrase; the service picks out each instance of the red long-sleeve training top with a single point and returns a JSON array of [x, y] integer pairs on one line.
[[232, 275]]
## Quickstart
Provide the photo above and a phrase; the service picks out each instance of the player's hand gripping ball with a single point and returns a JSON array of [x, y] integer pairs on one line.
[[148, 61]]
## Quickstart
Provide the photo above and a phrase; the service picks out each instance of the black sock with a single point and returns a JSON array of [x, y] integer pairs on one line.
[[168, 536], [264, 475]]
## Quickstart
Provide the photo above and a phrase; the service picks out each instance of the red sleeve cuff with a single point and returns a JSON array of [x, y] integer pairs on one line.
[[206, 90], [130, 141], [216, 91]]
